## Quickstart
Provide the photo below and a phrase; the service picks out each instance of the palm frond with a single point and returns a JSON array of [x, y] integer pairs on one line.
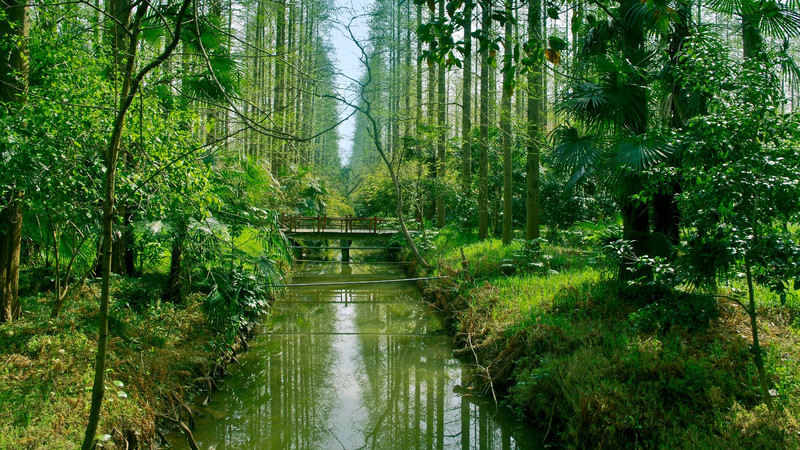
[[730, 7], [616, 102], [778, 21], [635, 13], [574, 153], [636, 153], [597, 40], [789, 65]]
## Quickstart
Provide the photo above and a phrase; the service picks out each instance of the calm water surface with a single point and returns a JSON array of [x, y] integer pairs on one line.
[[348, 367]]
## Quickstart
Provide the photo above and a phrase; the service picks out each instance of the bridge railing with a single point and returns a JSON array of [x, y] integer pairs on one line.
[[346, 224]]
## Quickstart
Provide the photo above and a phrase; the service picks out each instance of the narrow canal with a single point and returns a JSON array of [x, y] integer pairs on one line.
[[353, 366]]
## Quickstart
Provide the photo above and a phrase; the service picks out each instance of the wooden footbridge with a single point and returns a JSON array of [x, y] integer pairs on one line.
[[347, 227]]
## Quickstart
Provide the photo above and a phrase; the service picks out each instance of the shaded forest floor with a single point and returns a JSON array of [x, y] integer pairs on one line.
[[160, 354], [604, 366]]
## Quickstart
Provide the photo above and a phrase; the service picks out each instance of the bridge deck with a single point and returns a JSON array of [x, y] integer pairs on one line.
[[348, 227]]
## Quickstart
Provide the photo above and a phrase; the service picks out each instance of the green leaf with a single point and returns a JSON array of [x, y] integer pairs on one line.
[[556, 43]]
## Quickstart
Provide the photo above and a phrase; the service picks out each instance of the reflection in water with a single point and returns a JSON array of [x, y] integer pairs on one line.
[[361, 366]]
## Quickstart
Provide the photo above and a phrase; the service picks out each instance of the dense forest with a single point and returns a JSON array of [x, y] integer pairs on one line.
[[610, 188]]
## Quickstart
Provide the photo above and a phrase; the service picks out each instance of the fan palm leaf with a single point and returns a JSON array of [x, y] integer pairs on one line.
[[574, 153], [636, 153]]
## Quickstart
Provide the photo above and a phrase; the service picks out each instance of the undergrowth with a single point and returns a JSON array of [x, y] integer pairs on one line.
[[157, 349], [602, 366]]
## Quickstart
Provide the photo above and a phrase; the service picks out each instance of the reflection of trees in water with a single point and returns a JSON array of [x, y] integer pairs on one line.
[[408, 383], [303, 393], [405, 381], [286, 396]]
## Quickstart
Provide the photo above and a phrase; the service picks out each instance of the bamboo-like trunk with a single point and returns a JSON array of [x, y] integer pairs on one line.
[[505, 127], [532, 225], [441, 148], [466, 117], [483, 168]]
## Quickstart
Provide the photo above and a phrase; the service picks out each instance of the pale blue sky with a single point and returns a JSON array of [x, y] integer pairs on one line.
[[346, 58]]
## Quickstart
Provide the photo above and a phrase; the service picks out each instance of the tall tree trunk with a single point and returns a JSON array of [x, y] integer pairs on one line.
[[431, 121], [441, 149], [122, 10], [635, 213], [532, 226], [14, 31], [10, 244], [173, 291], [505, 127], [466, 116], [420, 201], [279, 105], [483, 168], [130, 86], [751, 38]]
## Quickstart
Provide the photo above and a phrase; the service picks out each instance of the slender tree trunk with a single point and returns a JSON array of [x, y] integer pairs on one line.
[[122, 258], [466, 116], [10, 245], [635, 213], [173, 291], [276, 159], [483, 168], [532, 226], [111, 156], [431, 121], [758, 357], [14, 30], [505, 127], [441, 149]]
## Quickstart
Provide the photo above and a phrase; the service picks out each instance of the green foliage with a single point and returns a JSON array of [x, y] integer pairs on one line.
[[743, 165], [235, 298], [692, 312]]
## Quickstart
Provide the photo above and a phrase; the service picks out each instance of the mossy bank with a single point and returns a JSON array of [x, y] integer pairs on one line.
[[600, 365]]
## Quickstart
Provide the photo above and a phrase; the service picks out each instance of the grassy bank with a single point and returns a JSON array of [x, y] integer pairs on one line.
[[604, 366], [160, 354]]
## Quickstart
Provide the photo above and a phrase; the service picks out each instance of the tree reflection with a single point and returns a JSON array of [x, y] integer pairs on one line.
[[353, 367]]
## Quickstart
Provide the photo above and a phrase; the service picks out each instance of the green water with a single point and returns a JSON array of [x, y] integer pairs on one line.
[[347, 367]]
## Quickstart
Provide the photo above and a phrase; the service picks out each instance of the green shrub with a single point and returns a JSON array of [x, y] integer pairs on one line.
[[235, 298], [693, 312]]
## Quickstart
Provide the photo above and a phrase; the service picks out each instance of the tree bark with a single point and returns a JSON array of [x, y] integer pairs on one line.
[[441, 149], [15, 30], [505, 127], [532, 226], [483, 168], [173, 291], [466, 116], [10, 244], [279, 105]]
